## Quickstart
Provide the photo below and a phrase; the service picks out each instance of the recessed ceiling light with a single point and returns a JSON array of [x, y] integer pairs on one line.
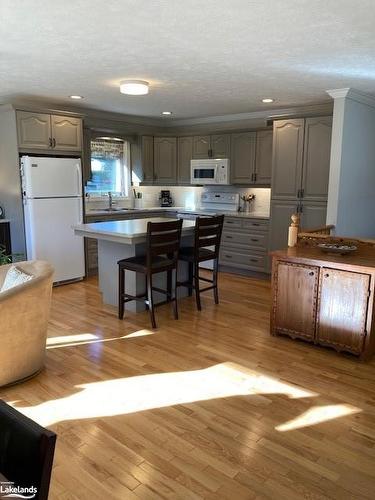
[[267, 100], [134, 87], [76, 97], [166, 113]]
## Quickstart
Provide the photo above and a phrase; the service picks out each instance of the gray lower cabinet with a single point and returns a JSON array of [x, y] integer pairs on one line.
[[316, 158], [263, 157], [243, 157], [313, 215], [66, 133], [287, 158], [48, 132], [244, 244], [147, 158], [34, 130], [184, 156], [165, 160]]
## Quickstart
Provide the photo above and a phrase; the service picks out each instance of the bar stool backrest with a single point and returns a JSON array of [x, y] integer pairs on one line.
[[208, 233], [163, 238]]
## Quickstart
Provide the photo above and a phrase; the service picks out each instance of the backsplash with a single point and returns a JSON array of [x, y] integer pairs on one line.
[[187, 197]]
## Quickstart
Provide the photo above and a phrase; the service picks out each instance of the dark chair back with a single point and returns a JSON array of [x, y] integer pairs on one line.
[[163, 238], [26, 451], [208, 233]]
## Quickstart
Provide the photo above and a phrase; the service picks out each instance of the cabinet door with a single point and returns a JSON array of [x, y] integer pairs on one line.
[[316, 158], [184, 156], [263, 157], [243, 157], [295, 299], [220, 146], [313, 215], [343, 300], [66, 133], [287, 158], [165, 160], [281, 212], [201, 146], [147, 158], [34, 130]]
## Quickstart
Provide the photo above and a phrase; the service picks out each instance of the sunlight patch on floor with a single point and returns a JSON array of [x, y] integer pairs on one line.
[[145, 392], [317, 415], [89, 338]]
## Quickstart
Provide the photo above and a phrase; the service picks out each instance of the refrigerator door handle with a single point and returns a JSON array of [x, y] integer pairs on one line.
[[79, 180]]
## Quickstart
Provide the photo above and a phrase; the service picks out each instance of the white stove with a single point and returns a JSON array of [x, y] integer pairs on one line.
[[212, 203]]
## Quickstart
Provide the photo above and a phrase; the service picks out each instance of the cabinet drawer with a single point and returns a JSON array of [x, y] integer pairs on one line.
[[256, 225], [253, 261], [232, 223], [249, 240]]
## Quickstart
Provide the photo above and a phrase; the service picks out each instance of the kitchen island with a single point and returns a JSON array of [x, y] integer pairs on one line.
[[123, 239]]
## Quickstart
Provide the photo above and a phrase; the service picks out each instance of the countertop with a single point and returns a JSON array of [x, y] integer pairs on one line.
[[125, 231], [198, 211], [4, 220], [313, 255]]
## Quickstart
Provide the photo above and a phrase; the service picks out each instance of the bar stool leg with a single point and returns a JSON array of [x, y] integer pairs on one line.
[[150, 300], [121, 291], [196, 286], [190, 278], [175, 305], [215, 272], [169, 285]]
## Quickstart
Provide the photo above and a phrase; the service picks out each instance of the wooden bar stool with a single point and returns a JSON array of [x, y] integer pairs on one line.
[[162, 248], [207, 236]]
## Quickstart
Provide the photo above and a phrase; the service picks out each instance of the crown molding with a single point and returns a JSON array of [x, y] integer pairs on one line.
[[268, 114], [354, 95]]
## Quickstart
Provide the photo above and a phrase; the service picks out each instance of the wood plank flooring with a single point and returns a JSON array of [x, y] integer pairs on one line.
[[210, 406]]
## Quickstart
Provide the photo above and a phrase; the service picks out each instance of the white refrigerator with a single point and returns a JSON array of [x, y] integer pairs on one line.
[[52, 198]]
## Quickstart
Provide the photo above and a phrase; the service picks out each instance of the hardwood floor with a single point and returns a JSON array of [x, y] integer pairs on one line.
[[210, 406]]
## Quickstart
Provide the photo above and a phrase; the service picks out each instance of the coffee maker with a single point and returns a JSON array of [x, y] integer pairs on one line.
[[165, 198]]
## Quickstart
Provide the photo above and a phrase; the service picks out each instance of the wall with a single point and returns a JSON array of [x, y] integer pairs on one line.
[[351, 198], [10, 184]]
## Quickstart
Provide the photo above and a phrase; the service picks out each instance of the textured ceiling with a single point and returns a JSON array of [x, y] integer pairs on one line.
[[202, 58]]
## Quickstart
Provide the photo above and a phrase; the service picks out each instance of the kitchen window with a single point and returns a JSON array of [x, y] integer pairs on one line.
[[110, 167]]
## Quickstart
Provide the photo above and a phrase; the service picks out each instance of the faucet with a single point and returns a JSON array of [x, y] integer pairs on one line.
[[110, 200]]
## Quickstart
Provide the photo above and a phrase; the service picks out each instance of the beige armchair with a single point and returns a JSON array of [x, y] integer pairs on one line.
[[24, 313]]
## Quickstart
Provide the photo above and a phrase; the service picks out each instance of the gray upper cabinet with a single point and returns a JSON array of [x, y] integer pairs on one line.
[[201, 146], [165, 160], [220, 146], [34, 130], [243, 157], [147, 158], [66, 133], [316, 158], [184, 156], [287, 158], [48, 132], [263, 157]]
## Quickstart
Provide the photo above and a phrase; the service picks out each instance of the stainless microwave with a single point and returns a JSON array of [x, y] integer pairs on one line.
[[212, 171]]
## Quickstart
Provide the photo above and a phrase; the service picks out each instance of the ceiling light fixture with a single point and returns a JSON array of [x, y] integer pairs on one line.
[[166, 113], [267, 100], [134, 87], [76, 97]]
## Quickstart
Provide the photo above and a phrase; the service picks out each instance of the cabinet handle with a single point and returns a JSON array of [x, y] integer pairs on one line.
[[228, 256], [302, 193], [255, 177], [254, 224], [311, 273], [229, 237], [53, 142], [254, 239], [326, 275], [253, 260], [229, 222], [50, 142]]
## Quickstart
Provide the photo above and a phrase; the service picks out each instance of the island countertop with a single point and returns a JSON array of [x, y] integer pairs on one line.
[[125, 231]]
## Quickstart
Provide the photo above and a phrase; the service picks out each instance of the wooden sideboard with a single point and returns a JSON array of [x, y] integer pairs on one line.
[[326, 299]]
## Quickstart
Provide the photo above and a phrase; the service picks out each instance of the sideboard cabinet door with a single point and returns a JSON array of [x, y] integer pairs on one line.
[[343, 301], [295, 299]]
